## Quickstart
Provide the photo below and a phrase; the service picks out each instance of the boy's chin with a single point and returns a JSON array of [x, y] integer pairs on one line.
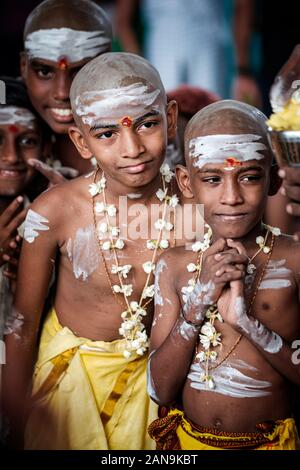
[[231, 232]]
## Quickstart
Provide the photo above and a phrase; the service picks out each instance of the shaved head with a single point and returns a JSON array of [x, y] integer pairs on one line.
[[113, 71], [228, 117], [82, 15]]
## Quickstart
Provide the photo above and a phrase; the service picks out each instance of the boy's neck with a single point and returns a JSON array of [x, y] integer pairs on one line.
[[67, 154], [137, 195], [5, 201]]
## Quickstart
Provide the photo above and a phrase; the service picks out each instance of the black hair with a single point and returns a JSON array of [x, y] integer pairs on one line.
[[16, 94]]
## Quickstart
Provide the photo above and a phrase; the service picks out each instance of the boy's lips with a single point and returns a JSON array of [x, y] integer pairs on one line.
[[136, 168], [233, 217]]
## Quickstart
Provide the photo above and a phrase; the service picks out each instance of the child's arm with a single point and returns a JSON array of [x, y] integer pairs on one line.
[[276, 350], [34, 272], [175, 331]]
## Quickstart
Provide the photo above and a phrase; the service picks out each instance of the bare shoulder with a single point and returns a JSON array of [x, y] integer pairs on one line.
[[55, 203], [176, 260]]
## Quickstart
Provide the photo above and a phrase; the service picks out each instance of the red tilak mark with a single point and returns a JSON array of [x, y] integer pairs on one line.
[[233, 162], [63, 63], [126, 121], [13, 129]]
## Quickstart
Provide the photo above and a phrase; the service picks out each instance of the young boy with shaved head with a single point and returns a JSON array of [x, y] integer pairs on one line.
[[233, 309], [59, 38], [89, 386]]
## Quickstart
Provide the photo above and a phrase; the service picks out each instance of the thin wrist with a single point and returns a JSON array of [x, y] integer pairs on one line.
[[189, 322]]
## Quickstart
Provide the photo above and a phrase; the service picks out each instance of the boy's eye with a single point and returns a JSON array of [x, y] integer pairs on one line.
[[251, 178], [105, 135], [28, 141], [148, 124], [212, 179], [44, 72]]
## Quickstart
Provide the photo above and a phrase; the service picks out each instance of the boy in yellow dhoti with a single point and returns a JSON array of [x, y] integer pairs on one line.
[[233, 304], [91, 393]]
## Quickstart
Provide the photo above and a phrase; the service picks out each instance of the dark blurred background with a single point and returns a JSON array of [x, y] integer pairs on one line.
[[275, 32]]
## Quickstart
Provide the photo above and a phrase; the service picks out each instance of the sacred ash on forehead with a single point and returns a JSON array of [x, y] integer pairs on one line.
[[243, 134], [15, 115], [226, 148], [72, 45], [115, 85]]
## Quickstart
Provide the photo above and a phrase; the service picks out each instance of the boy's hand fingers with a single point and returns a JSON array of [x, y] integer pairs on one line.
[[292, 192], [235, 275], [293, 208], [16, 222], [232, 258], [9, 213], [10, 275], [290, 175], [216, 247], [237, 245], [219, 256], [68, 172], [11, 261], [53, 176]]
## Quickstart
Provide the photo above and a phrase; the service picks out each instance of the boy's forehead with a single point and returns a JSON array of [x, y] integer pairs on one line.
[[229, 149], [116, 103], [115, 85], [69, 31], [15, 115], [65, 45]]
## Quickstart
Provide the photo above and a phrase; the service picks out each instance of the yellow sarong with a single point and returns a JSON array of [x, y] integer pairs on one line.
[[86, 395], [176, 432]]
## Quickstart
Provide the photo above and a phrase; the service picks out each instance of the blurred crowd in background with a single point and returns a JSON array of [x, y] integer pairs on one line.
[[232, 48]]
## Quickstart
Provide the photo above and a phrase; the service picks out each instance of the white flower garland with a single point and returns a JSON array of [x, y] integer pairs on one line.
[[132, 328]]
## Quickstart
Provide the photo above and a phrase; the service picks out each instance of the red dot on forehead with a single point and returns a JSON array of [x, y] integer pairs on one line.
[[12, 128], [232, 161], [63, 63], [126, 121]]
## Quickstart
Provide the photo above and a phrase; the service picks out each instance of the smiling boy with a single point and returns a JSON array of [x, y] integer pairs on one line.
[[233, 309], [59, 38], [21, 138], [89, 389]]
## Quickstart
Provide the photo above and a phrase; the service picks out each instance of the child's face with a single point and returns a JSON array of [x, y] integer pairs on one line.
[[234, 201], [233, 189], [129, 149], [18, 144], [48, 85]]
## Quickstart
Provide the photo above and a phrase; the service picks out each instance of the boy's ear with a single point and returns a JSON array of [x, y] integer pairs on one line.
[[275, 180], [78, 140], [23, 65], [183, 180], [172, 113]]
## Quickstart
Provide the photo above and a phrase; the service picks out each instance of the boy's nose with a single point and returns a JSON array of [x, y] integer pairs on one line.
[[9, 152], [61, 85], [131, 145], [231, 194]]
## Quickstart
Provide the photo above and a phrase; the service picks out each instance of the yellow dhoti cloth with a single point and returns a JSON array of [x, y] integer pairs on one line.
[[86, 395], [176, 432]]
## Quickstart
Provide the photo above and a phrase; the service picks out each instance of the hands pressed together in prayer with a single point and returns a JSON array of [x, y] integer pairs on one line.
[[221, 282]]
